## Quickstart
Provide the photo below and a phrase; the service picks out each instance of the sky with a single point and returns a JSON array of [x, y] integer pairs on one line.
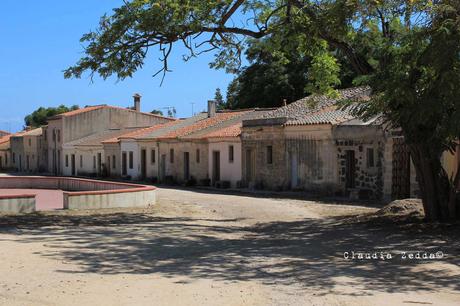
[[41, 38]]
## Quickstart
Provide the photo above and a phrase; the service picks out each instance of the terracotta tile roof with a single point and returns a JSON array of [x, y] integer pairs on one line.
[[319, 109], [202, 124], [97, 107], [133, 134], [231, 131], [98, 138], [5, 139], [228, 128]]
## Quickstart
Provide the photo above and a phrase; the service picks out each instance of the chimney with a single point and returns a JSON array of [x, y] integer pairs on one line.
[[211, 108], [284, 102], [137, 102]]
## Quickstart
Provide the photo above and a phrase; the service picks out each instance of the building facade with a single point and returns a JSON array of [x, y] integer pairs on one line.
[[78, 124], [314, 145]]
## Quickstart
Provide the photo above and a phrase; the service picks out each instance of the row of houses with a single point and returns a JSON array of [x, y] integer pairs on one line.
[[311, 144]]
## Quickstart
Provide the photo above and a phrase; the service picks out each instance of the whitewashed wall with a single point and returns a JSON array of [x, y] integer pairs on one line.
[[229, 171]]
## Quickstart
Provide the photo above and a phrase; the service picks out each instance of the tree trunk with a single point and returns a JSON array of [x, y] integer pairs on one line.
[[437, 192]]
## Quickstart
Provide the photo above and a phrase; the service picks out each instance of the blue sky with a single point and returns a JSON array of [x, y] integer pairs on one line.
[[41, 38]]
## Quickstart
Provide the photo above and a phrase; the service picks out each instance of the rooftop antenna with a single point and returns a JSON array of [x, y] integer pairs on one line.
[[193, 112]]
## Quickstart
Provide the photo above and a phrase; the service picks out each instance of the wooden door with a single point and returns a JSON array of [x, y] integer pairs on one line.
[[143, 164], [250, 166], [215, 166], [350, 169], [72, 163], [294, 170], [186, 166], [124, 164], [400, 188]]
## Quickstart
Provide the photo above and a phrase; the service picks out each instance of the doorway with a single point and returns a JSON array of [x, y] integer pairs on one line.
[[294, 171], [143, 164], [186, 166], [350, 169], [215, 166], [99, 164], [109, 168], [72, 163], [124, 164], [162, 167], [250, 163]]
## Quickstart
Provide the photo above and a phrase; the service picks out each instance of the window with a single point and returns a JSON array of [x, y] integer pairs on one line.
[[67, 160], [81, 161], [370, 158], [59, 135], [94, 162], [14, 158], [114, 162], [30, 142], [231, 154], [269, 155], [171, 156], [131, 160], [152, 156], [197, 156]]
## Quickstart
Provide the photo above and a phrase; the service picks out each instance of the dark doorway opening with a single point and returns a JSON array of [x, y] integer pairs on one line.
[[186, 166], [124, 164], [72, 164], [250, 163], [350, 169], [215, 166], [162, 167], [143, 164]]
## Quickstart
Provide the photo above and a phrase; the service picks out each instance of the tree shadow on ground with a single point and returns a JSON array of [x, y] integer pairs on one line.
[[307, 253]]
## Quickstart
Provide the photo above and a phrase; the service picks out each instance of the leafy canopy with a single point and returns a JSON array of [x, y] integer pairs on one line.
[[40, 116]]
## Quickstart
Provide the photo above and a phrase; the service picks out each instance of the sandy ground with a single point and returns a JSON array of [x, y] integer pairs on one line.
[[197, 248]]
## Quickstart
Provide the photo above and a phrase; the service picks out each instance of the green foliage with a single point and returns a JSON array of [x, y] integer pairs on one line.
[[171, 112], [219, 99], [40, 116], [157, 112]]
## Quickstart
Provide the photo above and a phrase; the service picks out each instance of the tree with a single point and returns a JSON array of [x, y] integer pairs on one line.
[[40, 116], [171, 112], [219, 99], [277, 71], [407, 50], [157, 112]]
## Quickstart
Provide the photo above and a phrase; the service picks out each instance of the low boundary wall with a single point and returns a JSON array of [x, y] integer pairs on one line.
[[24, 203], [86, 193]]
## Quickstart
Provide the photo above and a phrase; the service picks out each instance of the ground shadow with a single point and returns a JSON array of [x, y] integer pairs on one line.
[[307, 253]]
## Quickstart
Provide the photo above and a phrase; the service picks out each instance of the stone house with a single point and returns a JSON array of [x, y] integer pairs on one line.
[[74, 125], [313, 144], [28, 151]]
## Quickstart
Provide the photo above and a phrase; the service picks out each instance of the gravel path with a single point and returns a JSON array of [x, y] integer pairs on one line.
[[196, 248]]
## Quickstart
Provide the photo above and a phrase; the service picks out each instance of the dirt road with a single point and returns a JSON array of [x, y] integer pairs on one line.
[[195, 248]]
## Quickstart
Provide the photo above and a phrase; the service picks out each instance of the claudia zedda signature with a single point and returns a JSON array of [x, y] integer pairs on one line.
[[389, 255]]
